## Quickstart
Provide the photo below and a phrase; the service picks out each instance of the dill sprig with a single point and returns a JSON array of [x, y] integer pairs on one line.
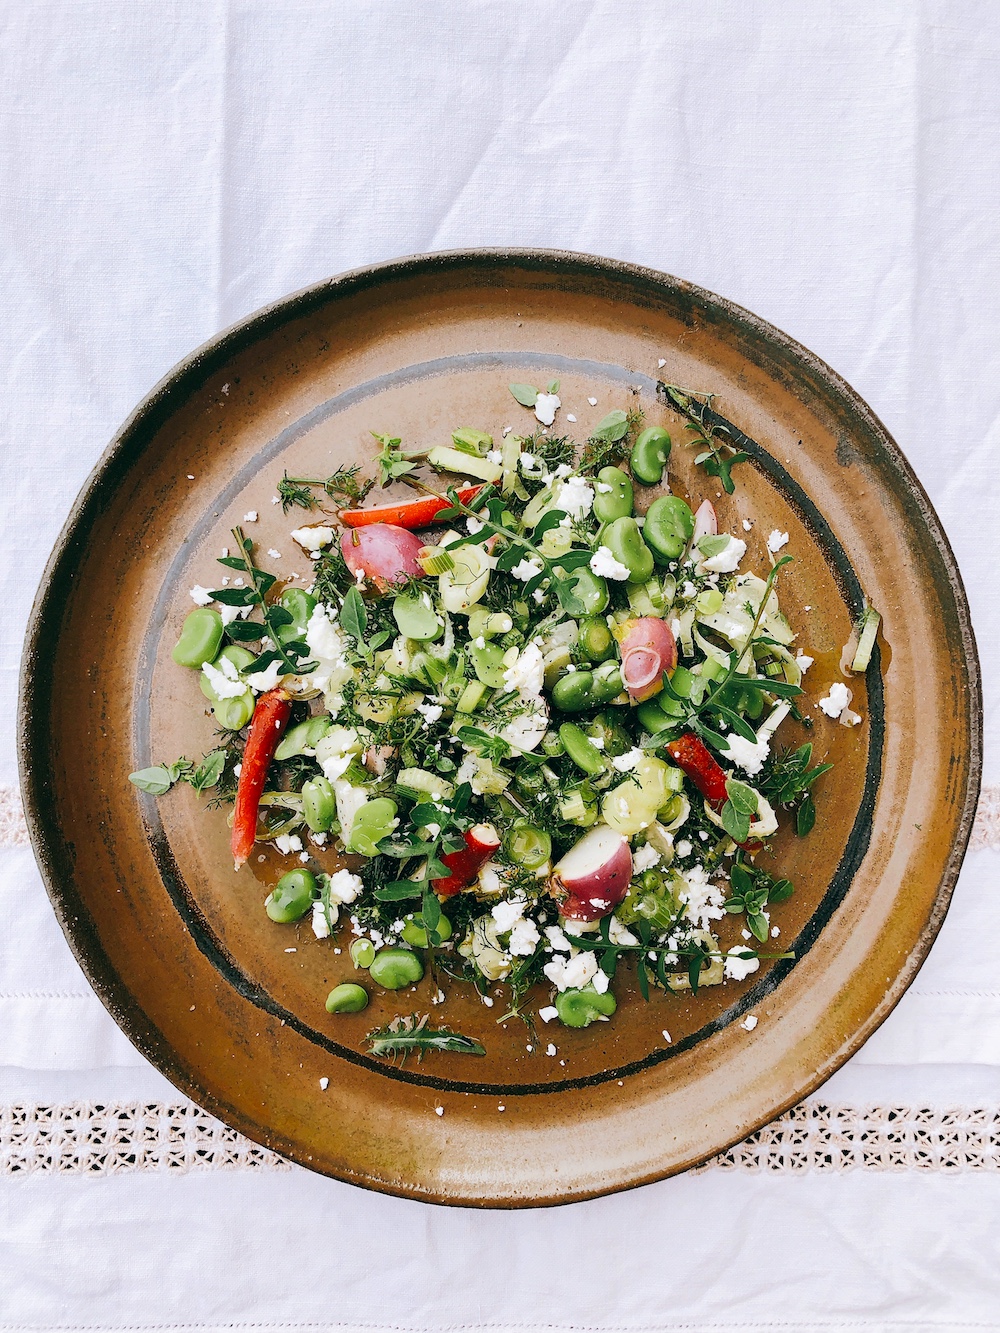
[[344, 484]]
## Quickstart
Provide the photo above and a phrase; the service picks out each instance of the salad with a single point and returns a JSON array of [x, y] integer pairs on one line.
[[532, 719]]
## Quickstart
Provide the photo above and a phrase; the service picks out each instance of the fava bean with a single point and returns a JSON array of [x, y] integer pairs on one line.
[[580, 690], [581, 749], [613, 496], [300, 605], [347, 998], [319, 804], [649, 455], [591, 590], [415, 932], [292, 896], [304, 736], [596, 641], [668, 527], [362, 952], [487, 663], [374, 821], [624, 540], [233, 714], [580, 1008], [416, 617], [201, 637], [487, 624], [395, 968], [659, 714]]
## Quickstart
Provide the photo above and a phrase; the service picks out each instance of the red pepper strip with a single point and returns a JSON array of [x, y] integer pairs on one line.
[[481, 842], [411, 514], [270, 718], [693, 756], [697, 762]]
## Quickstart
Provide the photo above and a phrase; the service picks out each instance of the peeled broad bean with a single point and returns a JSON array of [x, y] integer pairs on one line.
[[395, 968], [649, 455], [613, 496], [347, 998], [580, 1008], [200, 638], [415, 932], [319, 804], [291, 897], [624, 540], [668, 527]]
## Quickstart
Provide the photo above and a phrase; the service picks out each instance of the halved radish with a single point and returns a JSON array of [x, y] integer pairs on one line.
[[383, 553], [593, 877], [706, 524], [481, 841], [648, 650]]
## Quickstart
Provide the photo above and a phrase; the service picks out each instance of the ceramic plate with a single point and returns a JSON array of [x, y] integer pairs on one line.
[[229, 1006]]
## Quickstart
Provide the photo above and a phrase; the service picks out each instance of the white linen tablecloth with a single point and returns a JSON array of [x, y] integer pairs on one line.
[[167, 167]]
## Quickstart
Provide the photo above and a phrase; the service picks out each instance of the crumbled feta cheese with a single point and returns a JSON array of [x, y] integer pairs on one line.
[[224, 679], [430, 712], [557, 939], [571, 973], [494, 456], [737, 969], [683, 847], [605, 566], [728, 558], [507, 914], [571, 417], [624, 763], [775, 932], [548, 1013], [439, 1110], [267, 679], [550, 1049], [473, 525], [527, 673], [313, 539], [604, 488], [321, 920], [747, 524], [745, 934], [749, 1023], [523, 939], [199, 595], [288, 843], [836, 701], [546, 406], [776, 541], [527, 569], [804, 662], [667, 1037], [344, 886], [600, 982], [592, 402], [703, 900], [748, 755], [661, 363], [528, 460], [645, 858], [250, 516], [487, 1000], [619, 934], [324, 1083], [576, 497], [275, 555]]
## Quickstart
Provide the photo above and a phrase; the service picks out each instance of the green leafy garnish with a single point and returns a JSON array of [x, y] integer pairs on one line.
[[391, 462], [344, 484], [405, 1035], [526, 394]]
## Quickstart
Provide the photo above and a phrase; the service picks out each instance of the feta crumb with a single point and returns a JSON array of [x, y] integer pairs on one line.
[[313, 539], [275, 555], [199, 595], [592, 402], [571, 417], [747, 525], [775, 932], [494, 456], [683, 848], [501, 1107], [546, 406], [557, 939], [836, 701], [250, 516], [304, 857], [667, 1037], [645, 858], [344, 887], [267, 679], [737, 969], [321, 919], [776, 541], [523, 939], [750, 1022], [527, 569], [288, 843], [748, 755], [702, 899], [576, 497], [548, 1013], [571, 973], [507, 914], [324, 1083], [224, 681], [728, 558], [550, 1049], [661, 363], [487, 1000], [429, 712], [745, 934], [604, 565], [804, 662], [624, 763], [600, 982]]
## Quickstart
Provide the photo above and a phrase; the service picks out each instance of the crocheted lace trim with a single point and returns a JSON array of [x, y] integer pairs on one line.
[[101, 1139]]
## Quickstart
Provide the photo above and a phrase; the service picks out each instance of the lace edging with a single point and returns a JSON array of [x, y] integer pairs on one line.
[[101, 1139]]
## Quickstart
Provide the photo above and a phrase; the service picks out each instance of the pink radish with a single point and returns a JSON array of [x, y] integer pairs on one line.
[[593, 877], [705, 522], [383, 553], [648, 650]]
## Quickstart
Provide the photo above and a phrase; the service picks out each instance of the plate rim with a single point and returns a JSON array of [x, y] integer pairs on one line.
[[126, 446]]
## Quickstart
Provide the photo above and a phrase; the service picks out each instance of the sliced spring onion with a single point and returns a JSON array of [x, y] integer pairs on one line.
[[867, 633]]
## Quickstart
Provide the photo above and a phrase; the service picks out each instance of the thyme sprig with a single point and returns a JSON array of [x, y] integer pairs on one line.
[[344, 484], [719, 455]]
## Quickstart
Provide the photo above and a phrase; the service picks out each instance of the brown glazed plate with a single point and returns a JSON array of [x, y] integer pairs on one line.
[[176, 944]]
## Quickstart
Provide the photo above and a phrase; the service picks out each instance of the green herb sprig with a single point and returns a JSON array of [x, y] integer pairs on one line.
[[719, 455], [274, 616], [403, 1036], [789, 784], [344, 484], [201, 777], [753, 890]]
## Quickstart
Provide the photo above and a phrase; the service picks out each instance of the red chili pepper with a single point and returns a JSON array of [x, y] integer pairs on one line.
[[693, 756], [270, 718], [481, 842], [410, 514]]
